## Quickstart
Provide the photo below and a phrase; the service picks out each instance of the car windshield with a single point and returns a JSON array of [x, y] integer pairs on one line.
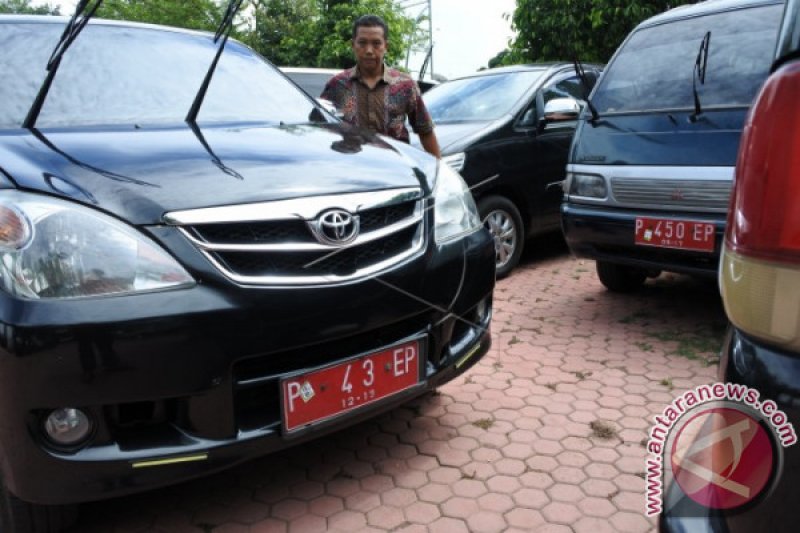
[[654, 69], [484, 98], [114, 75]]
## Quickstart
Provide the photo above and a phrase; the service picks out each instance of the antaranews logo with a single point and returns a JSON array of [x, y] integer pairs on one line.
[[720, 443]]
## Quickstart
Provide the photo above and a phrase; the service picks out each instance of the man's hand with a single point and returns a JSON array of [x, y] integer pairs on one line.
[[430, 144]]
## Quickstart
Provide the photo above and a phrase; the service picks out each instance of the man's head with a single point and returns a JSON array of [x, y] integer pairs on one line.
[[370, 41]]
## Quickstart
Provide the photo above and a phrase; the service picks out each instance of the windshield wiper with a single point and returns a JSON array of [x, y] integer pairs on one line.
[[587, 88], [699, 73], [224, 31], [74, 27]]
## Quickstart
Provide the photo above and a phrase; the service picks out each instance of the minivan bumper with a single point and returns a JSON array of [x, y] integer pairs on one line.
[[180, 384], [607, 234]]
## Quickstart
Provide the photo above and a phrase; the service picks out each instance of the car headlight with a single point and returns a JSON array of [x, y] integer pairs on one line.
[[455, 161], [587, 185], [54, 249], [454, 208]]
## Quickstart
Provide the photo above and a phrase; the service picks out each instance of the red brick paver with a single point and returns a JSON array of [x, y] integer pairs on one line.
[[513, 445]]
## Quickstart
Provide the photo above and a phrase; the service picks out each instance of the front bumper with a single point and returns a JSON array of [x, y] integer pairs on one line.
[[186, 382], [607, 234], [776, 375]]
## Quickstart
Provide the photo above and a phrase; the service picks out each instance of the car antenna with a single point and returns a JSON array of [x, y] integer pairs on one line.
[[75, 25], [224, 31], [586, 88], [699, 73]]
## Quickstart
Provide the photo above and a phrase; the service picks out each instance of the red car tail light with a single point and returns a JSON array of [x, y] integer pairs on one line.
[[760, 265], [764, 219]]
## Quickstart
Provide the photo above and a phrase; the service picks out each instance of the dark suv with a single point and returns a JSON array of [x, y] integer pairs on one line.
[[189, 282]]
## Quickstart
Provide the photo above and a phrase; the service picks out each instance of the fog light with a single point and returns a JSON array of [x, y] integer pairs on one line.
[[67, 426]]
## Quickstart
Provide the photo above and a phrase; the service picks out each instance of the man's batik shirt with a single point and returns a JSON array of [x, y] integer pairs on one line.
[[383, 109]]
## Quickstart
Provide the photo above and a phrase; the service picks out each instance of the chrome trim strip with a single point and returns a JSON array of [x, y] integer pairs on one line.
[[416, 249], [307, 246], [303, 208], [655, 172]]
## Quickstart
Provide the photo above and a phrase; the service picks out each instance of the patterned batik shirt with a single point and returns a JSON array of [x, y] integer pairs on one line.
[[383, 109]]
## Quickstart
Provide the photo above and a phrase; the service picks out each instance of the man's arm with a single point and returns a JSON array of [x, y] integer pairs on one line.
[[431, 144]]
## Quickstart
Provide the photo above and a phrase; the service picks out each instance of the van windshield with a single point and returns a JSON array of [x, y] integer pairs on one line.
[[119, 75], [654, 69]]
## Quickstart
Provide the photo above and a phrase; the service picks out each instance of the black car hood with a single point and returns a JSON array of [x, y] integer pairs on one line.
[[455, 136], [140, 174]]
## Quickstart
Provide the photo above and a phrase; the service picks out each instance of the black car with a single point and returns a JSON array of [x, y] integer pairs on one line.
[[199, 265], [760, 283], [508, 131]]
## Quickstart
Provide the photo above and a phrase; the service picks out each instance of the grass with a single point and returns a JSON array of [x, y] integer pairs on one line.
[[483, 423], [667, 382], [636, 315], [703, 343], [514, 340], [582, 375], [603, 430], [644, 346]]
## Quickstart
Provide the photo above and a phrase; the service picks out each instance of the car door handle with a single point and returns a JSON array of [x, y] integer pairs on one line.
[[559, 184]]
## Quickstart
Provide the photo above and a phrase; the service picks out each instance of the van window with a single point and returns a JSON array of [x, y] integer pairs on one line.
[[654, 69]]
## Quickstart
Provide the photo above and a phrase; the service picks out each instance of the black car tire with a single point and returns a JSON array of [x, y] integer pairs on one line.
[[501, 217], [18, 516], [620, 278]]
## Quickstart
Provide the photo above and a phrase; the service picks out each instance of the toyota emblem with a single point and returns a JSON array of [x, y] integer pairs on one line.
[[336, 227]]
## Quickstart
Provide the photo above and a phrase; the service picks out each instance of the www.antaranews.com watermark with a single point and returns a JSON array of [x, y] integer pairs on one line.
[[715, 440]]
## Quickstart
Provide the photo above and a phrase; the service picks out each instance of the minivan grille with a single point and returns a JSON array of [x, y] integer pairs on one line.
[[672, 193], [282, 246]]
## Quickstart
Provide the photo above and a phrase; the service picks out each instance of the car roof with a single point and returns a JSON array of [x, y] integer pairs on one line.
[[703, 8], [528, 67], [311, 70]]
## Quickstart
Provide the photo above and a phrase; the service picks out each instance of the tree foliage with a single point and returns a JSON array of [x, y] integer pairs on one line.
[[193, 14], [312, 33], [25, 7], [591, 30]]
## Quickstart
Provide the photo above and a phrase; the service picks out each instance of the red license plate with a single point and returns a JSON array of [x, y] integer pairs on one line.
[[671, 233], [322, 394]]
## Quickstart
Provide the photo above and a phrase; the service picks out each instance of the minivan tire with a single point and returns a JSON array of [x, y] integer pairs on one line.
[[501, 217], [17, 516], [620, 278]]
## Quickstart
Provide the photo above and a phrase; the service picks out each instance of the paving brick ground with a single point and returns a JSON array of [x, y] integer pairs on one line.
[[545, 434]]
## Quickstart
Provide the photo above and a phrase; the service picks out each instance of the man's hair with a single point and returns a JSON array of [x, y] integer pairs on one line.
[[371, 21]]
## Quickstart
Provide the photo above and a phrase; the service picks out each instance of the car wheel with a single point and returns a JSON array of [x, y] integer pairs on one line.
[[501, 217], [22, 517], [620, 278]]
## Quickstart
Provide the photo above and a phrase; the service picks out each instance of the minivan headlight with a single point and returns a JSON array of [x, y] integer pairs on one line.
[[55, 249], [587, 185], [454, 208]]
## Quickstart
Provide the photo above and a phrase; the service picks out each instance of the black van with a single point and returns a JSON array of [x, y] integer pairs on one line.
[[651, 165]]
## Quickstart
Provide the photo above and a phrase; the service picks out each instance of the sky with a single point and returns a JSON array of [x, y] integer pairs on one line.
[[466, 33]]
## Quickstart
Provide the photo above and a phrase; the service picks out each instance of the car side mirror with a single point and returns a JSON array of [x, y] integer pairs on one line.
[[561, 110]]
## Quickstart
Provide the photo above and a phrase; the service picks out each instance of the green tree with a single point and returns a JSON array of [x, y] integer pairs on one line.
[[588, 29], [25, 7], [194, 14], [317, 33]]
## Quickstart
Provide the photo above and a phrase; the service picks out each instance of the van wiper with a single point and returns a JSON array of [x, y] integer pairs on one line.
[[699, 73], [587, 88], [224, 31], [78, 21]]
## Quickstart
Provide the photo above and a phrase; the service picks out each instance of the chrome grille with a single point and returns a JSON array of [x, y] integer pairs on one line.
[[705, 194], [272, 243]]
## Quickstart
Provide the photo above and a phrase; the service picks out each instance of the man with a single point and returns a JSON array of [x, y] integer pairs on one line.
[[373, 96]]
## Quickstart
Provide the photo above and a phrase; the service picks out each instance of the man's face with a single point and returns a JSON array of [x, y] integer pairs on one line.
[[369, 47]]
